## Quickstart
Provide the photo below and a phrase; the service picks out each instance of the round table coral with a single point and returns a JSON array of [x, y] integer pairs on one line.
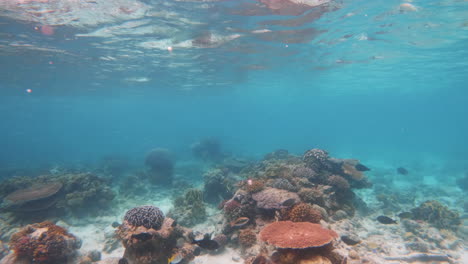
[[148, 216], [287, 234]]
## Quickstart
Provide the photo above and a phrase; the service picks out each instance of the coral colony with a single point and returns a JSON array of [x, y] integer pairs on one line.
[[282, 209]]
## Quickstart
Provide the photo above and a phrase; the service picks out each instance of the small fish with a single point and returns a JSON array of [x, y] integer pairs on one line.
[[239, 222], [361, 167], [289, 202], [402, 171], [405, 215], [386, 220], [207, 243], [175, 258]]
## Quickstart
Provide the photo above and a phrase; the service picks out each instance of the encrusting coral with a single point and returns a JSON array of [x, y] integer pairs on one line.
[[247, 238], [43, 243]]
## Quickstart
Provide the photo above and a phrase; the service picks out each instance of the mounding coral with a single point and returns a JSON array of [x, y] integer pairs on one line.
[[161, 166], [304, 212], [153, 246], [43, 243], [208, 149], [437, 214], [147, 216], [189, 209], [218, 184]]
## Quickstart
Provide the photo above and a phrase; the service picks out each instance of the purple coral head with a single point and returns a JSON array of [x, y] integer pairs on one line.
[[148, 216]]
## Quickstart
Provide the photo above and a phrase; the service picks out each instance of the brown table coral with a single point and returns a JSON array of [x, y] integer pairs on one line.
[[35, 198], [287, 234]]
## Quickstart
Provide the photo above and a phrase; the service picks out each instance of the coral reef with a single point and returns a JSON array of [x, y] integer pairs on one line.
[[34, 198], [303, 212], [338, 182], [247, 238], [437, 214], [252, 186], [149, 246], [147, 216], [272, 198], [189, 209], [43, 243], [161, 165], [208, 149], [287, 234], [77, 194], [218, 184]]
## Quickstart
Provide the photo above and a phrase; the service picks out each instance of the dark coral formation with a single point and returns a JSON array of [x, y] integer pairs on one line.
[[161, 165], [208, 149], [44, 243], [147, 216], [189, 209], [218, 184], [437, 214], [463, 182]]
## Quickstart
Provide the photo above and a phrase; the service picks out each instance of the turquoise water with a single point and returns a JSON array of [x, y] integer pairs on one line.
[[369, 81]]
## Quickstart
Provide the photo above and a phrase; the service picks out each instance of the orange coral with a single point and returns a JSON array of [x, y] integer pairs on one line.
[[303, 212], [44, 243], [247, 238], [287, 234]]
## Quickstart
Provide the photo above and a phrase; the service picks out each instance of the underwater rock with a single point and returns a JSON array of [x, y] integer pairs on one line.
[[35, 198], [44, 243], [161, 164], [437, 214], [272, 198]]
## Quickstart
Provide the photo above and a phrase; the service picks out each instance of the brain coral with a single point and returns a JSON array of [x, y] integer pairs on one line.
[[287, 234], [148, 216]]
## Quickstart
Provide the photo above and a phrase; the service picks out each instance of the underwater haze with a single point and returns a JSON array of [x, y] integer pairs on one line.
[[384, 82]]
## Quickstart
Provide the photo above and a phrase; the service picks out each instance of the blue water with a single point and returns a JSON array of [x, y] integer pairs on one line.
[[371, 82]]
